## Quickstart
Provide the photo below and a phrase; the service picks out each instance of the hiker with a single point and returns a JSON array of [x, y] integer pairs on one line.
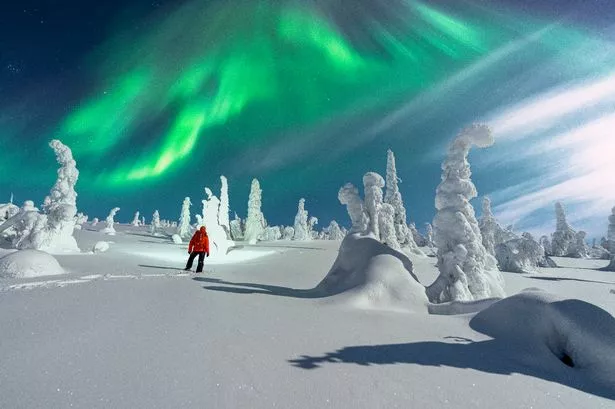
[[199, 246]]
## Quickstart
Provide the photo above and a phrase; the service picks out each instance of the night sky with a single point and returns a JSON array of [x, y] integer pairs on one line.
[[158, 98]]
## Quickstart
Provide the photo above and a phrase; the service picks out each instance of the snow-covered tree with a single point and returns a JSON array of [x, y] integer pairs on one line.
[[429, 236], [184, 228], [610, 241], [388, 234], [546, 244], [95, 221], [334, 231], [53, 230], [415, 236], [491, 231], [199, 221], [393, 197], [349, 195], [236, 226], [579, 249], [223, 217], [520, 255], [467, 270], [312, 222], [109, 221], [302, 229], [272, 233], [288, 233], [156, 226], [80, 219], [136, 221], [255, 223], [564, 237], [372, 186], [218, 240]]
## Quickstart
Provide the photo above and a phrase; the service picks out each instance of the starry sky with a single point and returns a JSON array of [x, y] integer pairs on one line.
[[158, 98]]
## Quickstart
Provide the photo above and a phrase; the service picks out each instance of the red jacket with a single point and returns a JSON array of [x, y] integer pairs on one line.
[[199, 242]]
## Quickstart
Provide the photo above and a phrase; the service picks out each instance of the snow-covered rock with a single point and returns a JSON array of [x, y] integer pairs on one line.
[[467, 271], [100, 247], [29, 263], [368, 274], [555, 331]]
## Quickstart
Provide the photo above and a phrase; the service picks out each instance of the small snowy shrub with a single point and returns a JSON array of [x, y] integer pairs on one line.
[[101, 247]]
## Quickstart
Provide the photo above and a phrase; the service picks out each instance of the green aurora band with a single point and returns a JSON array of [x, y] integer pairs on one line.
[[225, 75]]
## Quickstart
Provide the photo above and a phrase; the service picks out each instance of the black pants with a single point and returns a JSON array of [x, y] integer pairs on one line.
[[199, 267]]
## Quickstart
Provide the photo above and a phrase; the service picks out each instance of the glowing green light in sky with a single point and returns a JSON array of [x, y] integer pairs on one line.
[[258, 66]]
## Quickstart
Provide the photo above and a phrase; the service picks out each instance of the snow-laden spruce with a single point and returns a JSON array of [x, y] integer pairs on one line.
[[579, 249], [393, 197], [218, 241], [334, 232], [236, 226], [372, 189], [301, 227], [53, 230], [520, 255], [546, 244], [272, 233], [94, 221], [156, 226], [135, 221], [429, 236], [416, 236], [184, 228], [388, 231], [109, 221], [223, 212], [564, 238], [491, 231], [312, 222], [467, 271], [80, 219], [255, 223], [288, 233], [349, 195], [610, 238]]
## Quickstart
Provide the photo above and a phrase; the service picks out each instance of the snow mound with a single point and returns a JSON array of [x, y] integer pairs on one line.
[[28, 264], [370, 275], [100, 247], [579, 334], [176, 239]]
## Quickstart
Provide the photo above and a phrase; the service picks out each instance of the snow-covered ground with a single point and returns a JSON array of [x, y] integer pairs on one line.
[[126, 328]]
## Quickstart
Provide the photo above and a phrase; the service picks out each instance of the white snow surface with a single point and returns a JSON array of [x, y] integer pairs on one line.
[[29, 264], [129, 329]]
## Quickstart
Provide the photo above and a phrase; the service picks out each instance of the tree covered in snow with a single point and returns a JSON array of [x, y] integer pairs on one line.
[[546, 244], [467, 270], [610, 240], [218, 239], [429, 235], [80, 219], [491, 231], [334, 232], [388, 233], [272, 233], [579, 249], [349, 195], [301, 227], [564, 238], [199, 221], [184, 228], [288, 233], [520, 255], [372, 187], [393, 197], [109, 221], [136, 221], [223, 217], [156, 226], [236, 226], [312, 222], [416, 236], [255, 223], [53, 230]]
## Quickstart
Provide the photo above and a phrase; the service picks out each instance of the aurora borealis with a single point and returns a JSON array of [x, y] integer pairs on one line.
[[308, 95]]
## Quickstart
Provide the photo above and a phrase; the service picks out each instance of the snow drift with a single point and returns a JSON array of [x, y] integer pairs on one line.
[[373, 276], [28, 264], [577, 333]]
